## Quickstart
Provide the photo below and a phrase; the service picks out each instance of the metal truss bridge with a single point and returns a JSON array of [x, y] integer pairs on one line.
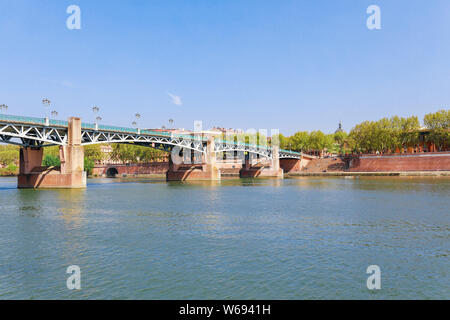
[[43, 132]]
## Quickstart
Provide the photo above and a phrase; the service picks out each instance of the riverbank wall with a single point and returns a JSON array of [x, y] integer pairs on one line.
[[124, 170], [393, 165], [372, 174], [421, 164], [399, 162]]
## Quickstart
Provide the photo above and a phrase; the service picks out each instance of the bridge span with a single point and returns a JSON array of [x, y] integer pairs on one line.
[[33, 134]]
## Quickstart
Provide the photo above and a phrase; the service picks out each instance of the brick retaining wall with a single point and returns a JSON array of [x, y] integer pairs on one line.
[[133, 169], [419, 162]]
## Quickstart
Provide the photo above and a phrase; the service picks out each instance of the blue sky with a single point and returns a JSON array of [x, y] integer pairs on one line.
[[291, 65]]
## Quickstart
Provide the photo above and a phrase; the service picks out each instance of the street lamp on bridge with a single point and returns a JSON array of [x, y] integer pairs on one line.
[[97, 121], [135, 123], [3, 107], [46, 103], [95, 109]]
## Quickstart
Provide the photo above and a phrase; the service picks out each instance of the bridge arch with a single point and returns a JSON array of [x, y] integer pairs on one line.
[[112, 172]]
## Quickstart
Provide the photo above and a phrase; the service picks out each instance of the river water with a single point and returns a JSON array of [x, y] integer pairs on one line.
[[307, 238]]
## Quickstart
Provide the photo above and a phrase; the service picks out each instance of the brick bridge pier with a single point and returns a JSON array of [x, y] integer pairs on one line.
[[71, 173]]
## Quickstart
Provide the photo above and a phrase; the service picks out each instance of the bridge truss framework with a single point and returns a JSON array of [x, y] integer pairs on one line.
[[41, 133]]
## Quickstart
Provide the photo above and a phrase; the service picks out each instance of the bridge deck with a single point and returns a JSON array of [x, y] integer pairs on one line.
[[61, 124]]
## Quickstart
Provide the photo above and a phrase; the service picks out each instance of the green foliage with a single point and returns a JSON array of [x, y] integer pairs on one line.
[[439, 125], [51, 151], [284, 141], [9, 154], [93, 152], [384, 135], [88, 165], [340, 139], [320, 141], [10, 170], [301, 141], [305, 141], [51, 161], [134, 154]]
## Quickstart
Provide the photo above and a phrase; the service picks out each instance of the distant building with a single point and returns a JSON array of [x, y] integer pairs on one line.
[[107, 150], [339, 129], [224, 130]]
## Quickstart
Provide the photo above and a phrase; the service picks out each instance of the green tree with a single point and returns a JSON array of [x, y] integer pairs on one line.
[[135, 154], [340, 139], [300, 141], [439, 124], [51, 161], [284, 141], [93, 152], [88, 165], [9, 154], [52, 151], [319, 141], [10, 170], [409, 135]]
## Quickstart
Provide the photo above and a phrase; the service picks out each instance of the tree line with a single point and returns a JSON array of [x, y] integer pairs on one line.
[[386, 135]]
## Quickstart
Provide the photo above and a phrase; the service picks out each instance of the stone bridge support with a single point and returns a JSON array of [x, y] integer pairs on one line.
[[207, 170], [267, 169], [294, 165], [71, 173], [30, 159]]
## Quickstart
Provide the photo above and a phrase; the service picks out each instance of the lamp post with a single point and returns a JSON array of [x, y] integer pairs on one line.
[[97, 120], [135, 123], [46, 103], [54, 113], [3, 107], [171, 122], [95, 110]]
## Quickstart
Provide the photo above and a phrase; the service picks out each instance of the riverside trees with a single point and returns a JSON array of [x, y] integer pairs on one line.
[[132, 153], [439, 125], [9, 158], [383, 136], [388, 135], [9, 154], [312, 141]]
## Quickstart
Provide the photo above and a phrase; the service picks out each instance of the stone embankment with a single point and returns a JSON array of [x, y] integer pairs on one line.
[[422, 164]]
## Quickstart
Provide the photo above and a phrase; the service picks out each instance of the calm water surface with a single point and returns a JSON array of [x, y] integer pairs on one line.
[[238, 239]]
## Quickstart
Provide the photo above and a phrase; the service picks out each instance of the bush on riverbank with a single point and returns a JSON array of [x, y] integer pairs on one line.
[[51, 161], [9, 159], [10, 170], [88, 166]]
